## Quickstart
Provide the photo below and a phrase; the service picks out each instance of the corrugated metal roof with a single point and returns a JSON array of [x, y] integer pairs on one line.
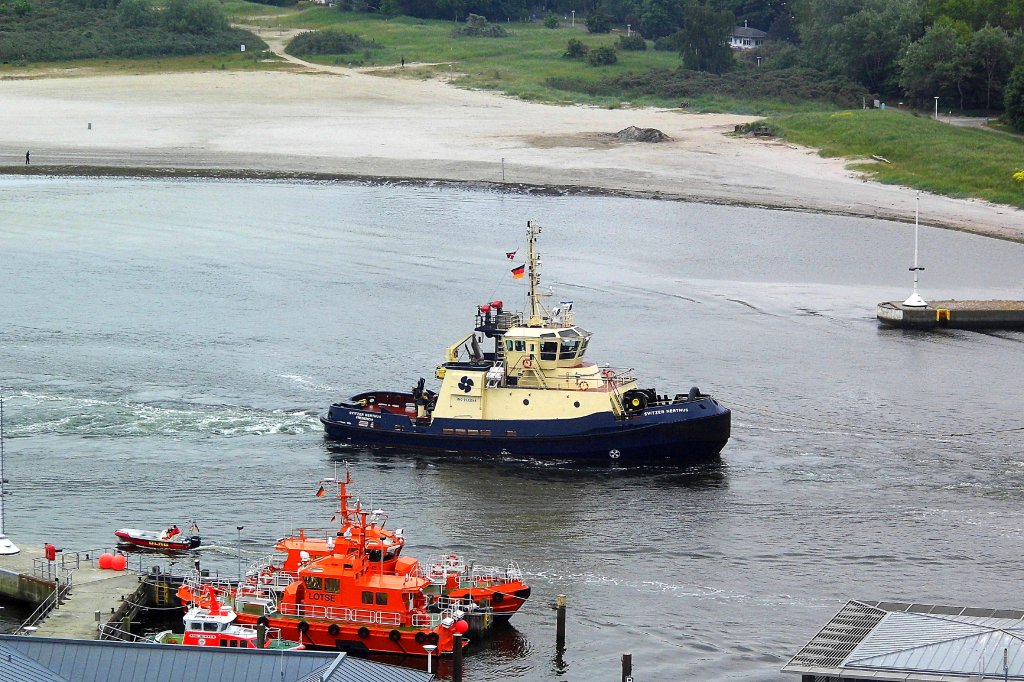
[[70, 660], [896, 640], [17, 667], [943, 644]]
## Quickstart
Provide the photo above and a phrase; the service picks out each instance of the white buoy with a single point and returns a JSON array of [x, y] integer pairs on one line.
[[6, 546], [915, 300]]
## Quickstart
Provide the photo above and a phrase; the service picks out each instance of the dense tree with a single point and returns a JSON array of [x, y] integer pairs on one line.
[[659, 18], [1013, 98], [991, 54], [599, 21], [195, 16], [859, 38], [702, 40], [1008, 14], [136, 13], [937, 64]]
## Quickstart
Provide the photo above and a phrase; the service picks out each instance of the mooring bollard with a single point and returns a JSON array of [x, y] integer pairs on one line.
[[261, 635], [126, 624], [457, 657], [627, 667], [560, 622]]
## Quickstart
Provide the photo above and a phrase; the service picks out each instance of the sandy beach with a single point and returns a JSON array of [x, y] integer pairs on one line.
[[336, 122]]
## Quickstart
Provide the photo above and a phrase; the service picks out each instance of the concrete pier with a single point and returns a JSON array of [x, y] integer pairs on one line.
[[954, 315], [84, 589]]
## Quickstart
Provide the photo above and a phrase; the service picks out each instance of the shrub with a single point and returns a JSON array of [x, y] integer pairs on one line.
[[575, 50], [551, 20], [633, 43], [477, 26], [136, 13], [602, 56], [328, 42], [598, 21], [1013, 98]]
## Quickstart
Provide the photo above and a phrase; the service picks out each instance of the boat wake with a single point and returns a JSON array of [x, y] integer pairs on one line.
[[71, 415]]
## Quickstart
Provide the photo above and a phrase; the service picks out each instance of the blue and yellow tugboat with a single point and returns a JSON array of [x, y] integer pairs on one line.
[[534, 395]]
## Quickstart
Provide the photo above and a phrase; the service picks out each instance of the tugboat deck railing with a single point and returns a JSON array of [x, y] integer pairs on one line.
[[342, 614]]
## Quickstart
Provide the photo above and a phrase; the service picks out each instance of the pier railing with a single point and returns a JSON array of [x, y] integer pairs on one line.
[[111, 631]]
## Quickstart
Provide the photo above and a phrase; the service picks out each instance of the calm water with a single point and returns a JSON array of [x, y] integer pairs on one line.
[[167, 346]]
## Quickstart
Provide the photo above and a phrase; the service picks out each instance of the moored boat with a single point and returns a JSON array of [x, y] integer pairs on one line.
[[454, 582], [173, 539], [534, 395], [213, 626]]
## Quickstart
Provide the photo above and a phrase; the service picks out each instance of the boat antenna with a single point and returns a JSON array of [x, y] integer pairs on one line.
[[6, 546], [915, 300], [536, 310]]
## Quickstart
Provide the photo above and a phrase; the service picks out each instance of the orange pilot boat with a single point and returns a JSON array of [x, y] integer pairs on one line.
[[455, 583]]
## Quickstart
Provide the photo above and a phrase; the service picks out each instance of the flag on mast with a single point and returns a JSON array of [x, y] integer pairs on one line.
[[511, 255], [519, 272], [321, 492]]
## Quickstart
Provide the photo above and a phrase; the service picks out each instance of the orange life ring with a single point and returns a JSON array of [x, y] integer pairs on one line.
[[527, 363], [584, 385], [608, 374]]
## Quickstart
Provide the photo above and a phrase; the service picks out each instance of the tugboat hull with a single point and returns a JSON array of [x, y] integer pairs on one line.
[[684, 433]]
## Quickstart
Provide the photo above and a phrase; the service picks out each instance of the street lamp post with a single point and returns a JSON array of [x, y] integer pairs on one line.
[[936, 108], [627, 30], [573, 17], [429, 648], [239, 552]]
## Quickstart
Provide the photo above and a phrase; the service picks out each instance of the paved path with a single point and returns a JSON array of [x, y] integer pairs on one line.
[[92, 590]]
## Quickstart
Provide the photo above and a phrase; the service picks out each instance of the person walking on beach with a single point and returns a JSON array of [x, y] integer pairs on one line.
[[403, 62], [26, 158]]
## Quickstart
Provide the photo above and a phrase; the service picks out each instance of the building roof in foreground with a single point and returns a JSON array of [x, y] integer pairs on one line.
[[870, 640], [42, 659]]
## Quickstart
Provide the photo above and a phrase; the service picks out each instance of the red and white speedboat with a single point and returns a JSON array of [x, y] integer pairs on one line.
[[173, 539]]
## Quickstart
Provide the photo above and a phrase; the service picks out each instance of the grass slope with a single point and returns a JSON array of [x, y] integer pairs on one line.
[[923, 153]]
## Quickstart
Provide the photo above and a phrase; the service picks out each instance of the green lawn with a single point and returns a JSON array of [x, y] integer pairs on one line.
[[518, 64], [923, 153]]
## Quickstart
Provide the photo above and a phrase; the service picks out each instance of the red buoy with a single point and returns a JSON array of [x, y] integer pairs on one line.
[[119, 562], [460, 627], [496, 304], [105, 559], [485, 308]]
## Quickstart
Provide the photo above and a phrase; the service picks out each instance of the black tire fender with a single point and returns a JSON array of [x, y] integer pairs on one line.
[[432, 638], [363, 632], [394, 635], [498, 597], [421, 638], [263, 620], [303, 627], [333, 629]]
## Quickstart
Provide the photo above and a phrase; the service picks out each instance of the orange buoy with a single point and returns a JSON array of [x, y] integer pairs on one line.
[[119, 562], [460, 627], [105, 559]]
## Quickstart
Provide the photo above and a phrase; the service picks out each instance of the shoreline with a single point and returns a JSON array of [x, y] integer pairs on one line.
[[347, 126]]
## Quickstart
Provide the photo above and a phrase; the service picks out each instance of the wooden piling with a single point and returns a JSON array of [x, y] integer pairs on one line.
[[261, 635], [560, 622], [627, 667], [456, 657]]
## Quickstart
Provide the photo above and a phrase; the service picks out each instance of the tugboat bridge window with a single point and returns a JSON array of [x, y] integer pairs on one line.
[[332, 585], [367, 597], [382, 599], [520, 345], [211, 627], [549, 350], [313, 582]]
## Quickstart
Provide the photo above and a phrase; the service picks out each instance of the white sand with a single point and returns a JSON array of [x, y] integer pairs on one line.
[[343, 122]]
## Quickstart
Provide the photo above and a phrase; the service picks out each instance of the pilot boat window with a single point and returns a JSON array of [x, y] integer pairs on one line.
[[192, 625], [508, 344], [211, 627], [382, 599], [313, 582], [549, 350], [367, 597], [332, 585], [520, 345]]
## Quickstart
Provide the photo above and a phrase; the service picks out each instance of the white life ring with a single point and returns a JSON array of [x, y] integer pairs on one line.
[[584, 385], [527, 363]]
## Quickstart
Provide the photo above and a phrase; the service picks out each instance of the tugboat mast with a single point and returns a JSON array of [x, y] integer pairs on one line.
[[536, 311]]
